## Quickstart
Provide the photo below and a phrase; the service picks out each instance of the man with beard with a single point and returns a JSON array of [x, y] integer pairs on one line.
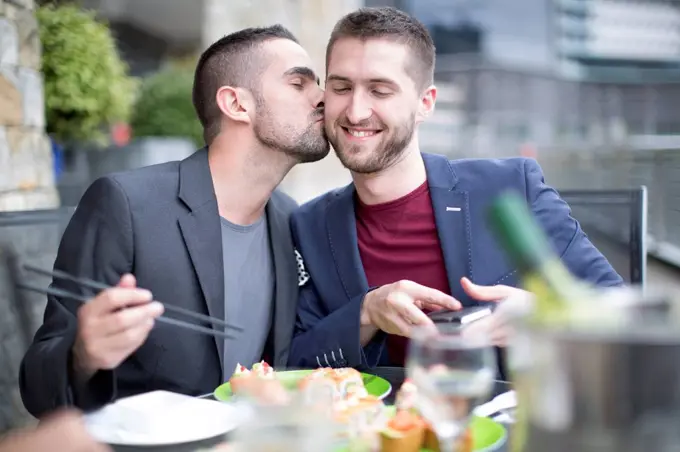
[[209, 234], [409, 234]]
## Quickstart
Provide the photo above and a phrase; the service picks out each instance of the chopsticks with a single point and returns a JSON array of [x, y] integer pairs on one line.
[[90, 284]]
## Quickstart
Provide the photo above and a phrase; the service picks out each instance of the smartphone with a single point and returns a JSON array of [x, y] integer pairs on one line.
[[462, 317]]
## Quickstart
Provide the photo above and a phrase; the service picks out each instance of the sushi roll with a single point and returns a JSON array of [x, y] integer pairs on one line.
[[260, 370], [405, 432], [238, 379], [430, 441], [319, 388], [360, 418], [463, 444], [347, 378], [369, 408], [340, 382], [263, 370]]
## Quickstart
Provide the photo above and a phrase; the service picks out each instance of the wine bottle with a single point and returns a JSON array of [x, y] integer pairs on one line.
[[542, 273], [561, 300], [540, 269]]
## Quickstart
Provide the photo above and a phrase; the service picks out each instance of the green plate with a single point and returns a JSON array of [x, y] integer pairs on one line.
[[376, 386], [487, 435]]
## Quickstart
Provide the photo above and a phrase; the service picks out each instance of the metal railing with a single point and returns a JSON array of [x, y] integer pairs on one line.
[[658, 170]]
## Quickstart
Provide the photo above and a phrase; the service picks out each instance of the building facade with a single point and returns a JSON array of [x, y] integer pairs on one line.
[[617, 40], [540, 74]]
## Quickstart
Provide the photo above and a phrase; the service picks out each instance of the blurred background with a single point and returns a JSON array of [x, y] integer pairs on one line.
[[589, 88]]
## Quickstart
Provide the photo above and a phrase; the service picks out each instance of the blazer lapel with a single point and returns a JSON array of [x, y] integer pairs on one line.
[[202, 233], [342, 239], [286, 292], [452, 215]]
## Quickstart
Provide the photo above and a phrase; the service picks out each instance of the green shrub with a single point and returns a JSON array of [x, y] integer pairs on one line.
[[164, 107], [87, 87]]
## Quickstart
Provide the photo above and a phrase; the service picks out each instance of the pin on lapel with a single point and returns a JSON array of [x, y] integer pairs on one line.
[[453, 209], [303, 276]]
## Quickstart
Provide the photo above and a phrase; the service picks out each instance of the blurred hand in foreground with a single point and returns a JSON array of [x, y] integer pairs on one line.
[[60, 432]]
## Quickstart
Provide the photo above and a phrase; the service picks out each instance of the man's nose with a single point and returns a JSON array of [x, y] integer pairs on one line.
[[317, 101], [358, 109]]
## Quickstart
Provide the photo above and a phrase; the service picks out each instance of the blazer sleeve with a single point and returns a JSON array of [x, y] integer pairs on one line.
[[328, 338], [571, 243], [96, 244]]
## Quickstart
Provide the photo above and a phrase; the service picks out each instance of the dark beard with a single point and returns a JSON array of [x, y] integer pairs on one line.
[[309, 146], [385, 155]]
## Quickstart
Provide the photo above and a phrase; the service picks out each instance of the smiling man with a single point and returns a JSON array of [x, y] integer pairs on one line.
[[409, 234]]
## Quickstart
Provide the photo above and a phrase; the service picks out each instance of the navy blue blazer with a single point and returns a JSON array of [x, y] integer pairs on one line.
[[333, 283]]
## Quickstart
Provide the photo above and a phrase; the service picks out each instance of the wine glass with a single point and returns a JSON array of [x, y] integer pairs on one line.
[[285, 419], [294, 426], [454, 372]]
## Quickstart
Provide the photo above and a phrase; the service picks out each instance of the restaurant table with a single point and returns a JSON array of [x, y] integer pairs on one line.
[[394, 375]]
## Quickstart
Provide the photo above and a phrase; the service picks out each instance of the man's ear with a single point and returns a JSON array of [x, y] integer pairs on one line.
[[234, 103], [426, 105]]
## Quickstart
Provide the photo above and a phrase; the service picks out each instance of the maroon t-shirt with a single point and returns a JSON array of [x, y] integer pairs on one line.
[[398, 240]]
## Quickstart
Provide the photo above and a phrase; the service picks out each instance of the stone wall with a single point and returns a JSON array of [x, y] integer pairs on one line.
[[26, 182], [26, 174]]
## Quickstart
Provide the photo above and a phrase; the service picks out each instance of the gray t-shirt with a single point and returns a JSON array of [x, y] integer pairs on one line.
[[248, 290]]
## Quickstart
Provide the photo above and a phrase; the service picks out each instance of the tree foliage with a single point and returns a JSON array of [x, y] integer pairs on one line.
[[164, 107], [87, 86]]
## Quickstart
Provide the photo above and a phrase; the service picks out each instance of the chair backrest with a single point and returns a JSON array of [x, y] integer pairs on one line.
[[33, 237], [25, 237], [616, 222]]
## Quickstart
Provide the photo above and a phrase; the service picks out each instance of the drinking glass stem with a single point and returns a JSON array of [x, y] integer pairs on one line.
[[447, 443]]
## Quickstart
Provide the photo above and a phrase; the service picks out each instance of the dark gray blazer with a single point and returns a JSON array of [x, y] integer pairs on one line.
[[160, 223]]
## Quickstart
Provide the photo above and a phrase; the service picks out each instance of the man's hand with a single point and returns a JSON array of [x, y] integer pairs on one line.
[[112, 326], [398, 307], [496, 326], [63, 432]]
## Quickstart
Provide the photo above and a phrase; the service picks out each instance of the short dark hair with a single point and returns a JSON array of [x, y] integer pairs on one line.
[[390, 23], [233, 60]]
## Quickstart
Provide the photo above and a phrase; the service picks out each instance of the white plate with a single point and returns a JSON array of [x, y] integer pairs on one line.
[[163, 418], [505, 401]]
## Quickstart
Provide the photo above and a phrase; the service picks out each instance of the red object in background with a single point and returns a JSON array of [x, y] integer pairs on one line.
[[121, 134], [528, 150]]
